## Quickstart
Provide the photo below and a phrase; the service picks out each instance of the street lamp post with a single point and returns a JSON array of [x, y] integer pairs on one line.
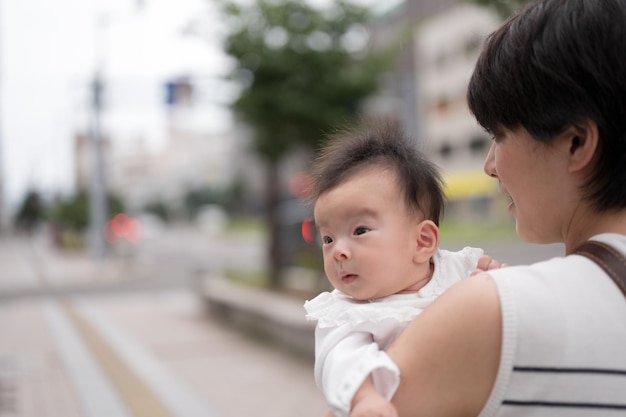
[[2, 208], [97, 194]]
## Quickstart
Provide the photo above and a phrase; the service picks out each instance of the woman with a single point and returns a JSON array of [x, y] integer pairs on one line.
[[547, 339]]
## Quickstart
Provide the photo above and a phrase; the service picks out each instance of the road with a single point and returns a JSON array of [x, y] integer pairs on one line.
[[186, 252], [131, 337], [185, 249], [149, 352]]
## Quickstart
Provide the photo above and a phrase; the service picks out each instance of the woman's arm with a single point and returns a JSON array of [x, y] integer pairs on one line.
[[449, 355], [367, 402]]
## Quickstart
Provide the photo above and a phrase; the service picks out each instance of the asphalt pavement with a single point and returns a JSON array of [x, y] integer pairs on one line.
[[131, 337], [137, 351]]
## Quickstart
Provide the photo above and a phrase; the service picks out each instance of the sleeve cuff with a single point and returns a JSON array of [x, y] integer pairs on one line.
[[385, 374]]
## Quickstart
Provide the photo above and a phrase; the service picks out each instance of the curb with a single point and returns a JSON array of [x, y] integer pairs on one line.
[[263, 313]]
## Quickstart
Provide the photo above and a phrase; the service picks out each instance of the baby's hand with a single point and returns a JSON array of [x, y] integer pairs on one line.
[[373, 406], [487, 263]]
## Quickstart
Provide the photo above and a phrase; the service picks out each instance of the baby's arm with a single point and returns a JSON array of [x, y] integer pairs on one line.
[[487, 263], [344, 360]]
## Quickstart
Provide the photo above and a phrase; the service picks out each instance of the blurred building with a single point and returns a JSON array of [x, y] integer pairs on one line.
[[396, 28], [440, 42], [163, 147], [193, 155], [447, 48]]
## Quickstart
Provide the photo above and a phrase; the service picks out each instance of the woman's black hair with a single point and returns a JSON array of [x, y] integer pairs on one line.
[[555, 64]]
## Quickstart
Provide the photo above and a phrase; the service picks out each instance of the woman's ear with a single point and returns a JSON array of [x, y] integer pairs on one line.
[[582, 141], [426, 242]]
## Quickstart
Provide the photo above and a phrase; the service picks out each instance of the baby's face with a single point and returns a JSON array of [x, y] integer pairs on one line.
[[368, 235]]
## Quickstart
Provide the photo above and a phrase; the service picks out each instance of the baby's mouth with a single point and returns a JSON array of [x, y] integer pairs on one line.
[[348, 278]]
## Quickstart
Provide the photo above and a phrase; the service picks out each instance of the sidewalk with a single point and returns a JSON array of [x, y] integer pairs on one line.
[[34, 267], [134, 354], [57, 266]]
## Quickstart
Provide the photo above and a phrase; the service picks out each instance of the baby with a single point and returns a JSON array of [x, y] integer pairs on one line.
[[377, 202]]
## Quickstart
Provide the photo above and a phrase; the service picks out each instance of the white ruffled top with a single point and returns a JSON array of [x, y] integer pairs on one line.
[[351, 335], [336, 309]]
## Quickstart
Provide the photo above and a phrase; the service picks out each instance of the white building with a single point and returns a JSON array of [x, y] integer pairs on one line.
[[447, 47], [191, 153], [160, 152]]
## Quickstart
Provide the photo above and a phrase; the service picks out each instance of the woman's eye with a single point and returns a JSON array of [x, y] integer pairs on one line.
[[327, 239], [497, 135], [360, 230]]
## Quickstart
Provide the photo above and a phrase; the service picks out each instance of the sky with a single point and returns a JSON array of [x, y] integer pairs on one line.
[[48, 53]]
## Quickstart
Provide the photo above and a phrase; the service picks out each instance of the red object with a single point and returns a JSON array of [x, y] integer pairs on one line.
[[121, 226], [300, 184], [308, 231]]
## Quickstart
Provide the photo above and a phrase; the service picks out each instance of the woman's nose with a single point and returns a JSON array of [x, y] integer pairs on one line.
[[490, 162]]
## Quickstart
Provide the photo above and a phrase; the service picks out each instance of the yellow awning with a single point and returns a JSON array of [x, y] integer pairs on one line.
[[469, 184]]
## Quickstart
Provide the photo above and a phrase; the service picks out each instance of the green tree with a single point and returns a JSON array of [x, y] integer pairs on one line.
[[303, 71], [505, 8], [30, 213], [159, 209], [72, 213]]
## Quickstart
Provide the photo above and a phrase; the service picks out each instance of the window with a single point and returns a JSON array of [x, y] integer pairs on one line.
[[479, 145], [445, 150]]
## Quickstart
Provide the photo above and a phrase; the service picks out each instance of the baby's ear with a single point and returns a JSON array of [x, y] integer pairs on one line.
[[427, 241]]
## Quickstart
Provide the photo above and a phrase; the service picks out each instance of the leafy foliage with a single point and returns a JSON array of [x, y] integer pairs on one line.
[[159, 209], [505, 8], [303, 71], [73, 212], [227, 198], [30, 212]]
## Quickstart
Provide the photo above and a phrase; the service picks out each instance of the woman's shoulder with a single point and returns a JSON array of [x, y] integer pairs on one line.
[[451, 267], [474, 295], [459, 339]]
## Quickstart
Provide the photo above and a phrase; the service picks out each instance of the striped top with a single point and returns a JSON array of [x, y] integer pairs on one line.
[[564, 340]]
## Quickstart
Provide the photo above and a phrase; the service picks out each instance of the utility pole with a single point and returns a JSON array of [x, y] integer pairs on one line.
[[2, 178], [97, 194]]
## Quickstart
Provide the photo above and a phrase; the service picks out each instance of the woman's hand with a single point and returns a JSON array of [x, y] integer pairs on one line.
[[373, 406], [367, 402]]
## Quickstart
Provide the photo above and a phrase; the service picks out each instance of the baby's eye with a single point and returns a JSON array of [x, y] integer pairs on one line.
[[327, 239], [361, 230]]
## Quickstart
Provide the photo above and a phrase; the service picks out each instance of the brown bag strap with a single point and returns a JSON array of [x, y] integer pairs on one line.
[[607, 258]]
